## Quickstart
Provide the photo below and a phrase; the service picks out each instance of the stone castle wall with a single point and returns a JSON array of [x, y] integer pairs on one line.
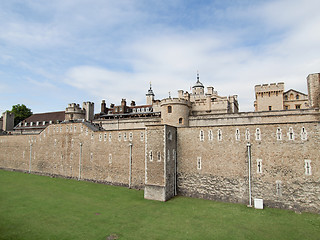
[[75, 151], [223, 174], [210, 158]]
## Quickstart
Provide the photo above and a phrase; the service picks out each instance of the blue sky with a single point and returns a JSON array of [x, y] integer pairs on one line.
[[56, 52]]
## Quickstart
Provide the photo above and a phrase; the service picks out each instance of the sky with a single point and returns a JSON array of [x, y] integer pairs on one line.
[[61, 51]]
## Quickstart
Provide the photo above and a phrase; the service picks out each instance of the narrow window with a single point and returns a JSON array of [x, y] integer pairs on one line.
[[125, 136], [150, 156], [298, 106], [91, 157], [60, 129], [71, 128], [81, 128], [110, 158], [258, 134], [67, 129], [105, 137], [199, 163], [201, 136], [168, 156], [210, 135], [247, 134], [100, 137], [278, 188], [130, 136], [237, 135], [86, 131], [72, 141], [110, 137], [304, 134], [119, 137], [270, 108], [159, 156], [141, 136], [307, 167], [75, 128], [297, 97], [279, 134], [180, 120], [219, 135], [174, 155], [169, 109], [55, 142], [71, 156], [169, 135], [91, 136], [259, 165], [291, 134]]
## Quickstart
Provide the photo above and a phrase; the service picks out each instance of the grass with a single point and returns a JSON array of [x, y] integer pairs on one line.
[[38, 207]]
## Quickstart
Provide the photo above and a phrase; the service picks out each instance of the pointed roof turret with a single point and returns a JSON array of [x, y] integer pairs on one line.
[[198, 83], [150, 91]]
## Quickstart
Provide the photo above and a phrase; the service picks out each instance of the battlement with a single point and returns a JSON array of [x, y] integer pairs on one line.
[[269, 87], [180, 101]]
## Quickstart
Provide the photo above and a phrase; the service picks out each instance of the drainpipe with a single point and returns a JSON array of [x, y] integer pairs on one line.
[[175, 173], [130, 164], [80, 158], [249, 172], [30, 156]]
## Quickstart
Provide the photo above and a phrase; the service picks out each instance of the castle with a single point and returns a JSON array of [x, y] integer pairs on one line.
[[197, 145]]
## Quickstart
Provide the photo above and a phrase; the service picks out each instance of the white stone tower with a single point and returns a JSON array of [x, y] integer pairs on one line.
[[150, 96], [313, 81]]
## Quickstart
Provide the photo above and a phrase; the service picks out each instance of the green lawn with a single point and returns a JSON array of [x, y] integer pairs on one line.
[[38, 207]]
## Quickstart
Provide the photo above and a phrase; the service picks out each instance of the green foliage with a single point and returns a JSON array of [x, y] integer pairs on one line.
[[21, 112], [38, 207]]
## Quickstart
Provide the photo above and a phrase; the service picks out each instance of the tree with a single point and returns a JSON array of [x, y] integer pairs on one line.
[[21, 112]]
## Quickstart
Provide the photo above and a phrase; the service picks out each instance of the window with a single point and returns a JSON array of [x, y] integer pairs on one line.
[[279, 134], [81, 128], [286, 97], [71, 156], [38, 123], [44, 123], [258, 134], [75, 128], [50, 122], [86, 131], [119, 137], [31, 123], [110, 137], [105, 137], [297, 97], [71, 128], [91, 157], [259, 165], [286, 107], [304, 134], [67, 129], [169, 109], [307, 167], [247, 134], [100, 137], [130, 136], [180, 120], [55, 142], [298, 106], [72, 141], [169, 135], [210, 135], [168, 156], [270, 108], [159, 156], [110, 158], [61, 129], [91, 136], [237, 135], [150, 156], [278, 188], [291, 134], [199, 163], [141, 136], [201, 136], [219, 135], [125, 136]]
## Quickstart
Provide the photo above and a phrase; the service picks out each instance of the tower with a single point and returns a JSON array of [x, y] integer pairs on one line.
[[8, 121], [150, 96], [269, 97], [198, 88], [175, 112], [313, 81], [88, 107]]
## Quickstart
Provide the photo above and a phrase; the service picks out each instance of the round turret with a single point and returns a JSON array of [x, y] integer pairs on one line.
[[175, 112]]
